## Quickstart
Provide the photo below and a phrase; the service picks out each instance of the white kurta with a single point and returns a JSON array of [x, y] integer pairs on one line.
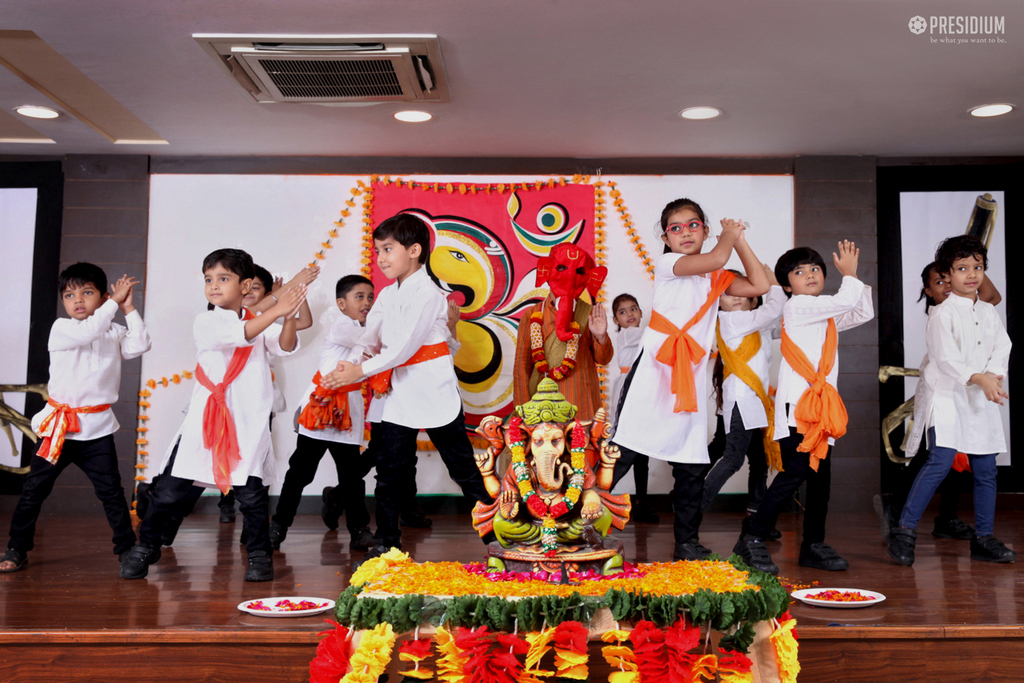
[[806, 321], [647, 423], [217, 334], [342, 340], [85, 366], [403, 319], [627, 348], [963, 338], [735, 325]]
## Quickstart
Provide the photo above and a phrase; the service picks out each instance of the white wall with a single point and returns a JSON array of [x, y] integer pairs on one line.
[[18, 236], [281, 221]]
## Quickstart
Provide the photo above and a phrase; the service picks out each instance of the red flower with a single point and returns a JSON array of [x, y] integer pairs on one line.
[[559, 509], [734, 661], [536, 505], [420, 649], [571, 635], [331, 661], [649, 649]]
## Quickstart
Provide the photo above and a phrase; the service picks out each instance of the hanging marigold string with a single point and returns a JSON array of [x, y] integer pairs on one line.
[[600, 256], [627, 222]]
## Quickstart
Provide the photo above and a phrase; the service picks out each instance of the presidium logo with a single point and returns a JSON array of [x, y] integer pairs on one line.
[[960, 29]]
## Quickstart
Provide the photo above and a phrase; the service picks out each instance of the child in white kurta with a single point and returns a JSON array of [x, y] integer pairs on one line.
[[808, 319], [664, 409], [85, 375], [224, 441], [968, 355], [744, 410]]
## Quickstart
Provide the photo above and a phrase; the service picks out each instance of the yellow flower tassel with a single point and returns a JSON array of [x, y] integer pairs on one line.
[[450, 661], [372, 656], [620, 655], [785, 645]]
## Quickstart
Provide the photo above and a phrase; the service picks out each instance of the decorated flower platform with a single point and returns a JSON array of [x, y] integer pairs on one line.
[[682, 622]]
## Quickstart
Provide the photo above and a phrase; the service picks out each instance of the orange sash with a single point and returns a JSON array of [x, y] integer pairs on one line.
[[820, 412], [328, 407], [381, 382], [63, 420], [681, 351], [219, 433], [624, 369]]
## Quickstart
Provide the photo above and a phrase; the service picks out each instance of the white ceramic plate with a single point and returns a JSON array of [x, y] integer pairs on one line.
[[802, 596], [323, 606]]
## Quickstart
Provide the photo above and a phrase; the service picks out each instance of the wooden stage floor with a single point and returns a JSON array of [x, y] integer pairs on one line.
[[69, 615]]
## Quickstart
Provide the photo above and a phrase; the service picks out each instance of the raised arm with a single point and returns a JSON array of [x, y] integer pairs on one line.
[[699, 264], [67, 333], [755, 282]]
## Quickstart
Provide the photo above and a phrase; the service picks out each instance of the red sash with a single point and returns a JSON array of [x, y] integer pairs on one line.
[[381, 382], [219, 433], [328, 407], [63, 420], [820, 412], [681, 351]]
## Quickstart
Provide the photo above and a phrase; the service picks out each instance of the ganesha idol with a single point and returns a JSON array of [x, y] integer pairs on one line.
[[551, 510]]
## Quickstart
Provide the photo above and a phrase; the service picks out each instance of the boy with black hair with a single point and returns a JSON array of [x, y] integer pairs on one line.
[[224, 440], [332, 420], [407, 330], [968, 354], [809, 413], [77, 424]]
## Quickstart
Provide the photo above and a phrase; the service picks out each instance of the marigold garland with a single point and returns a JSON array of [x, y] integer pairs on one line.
[[451, 660], [540, 361], [539, 644], [571, 650], [627, 222], [620, 655], [372, 656], [786, 648], [416, 651]]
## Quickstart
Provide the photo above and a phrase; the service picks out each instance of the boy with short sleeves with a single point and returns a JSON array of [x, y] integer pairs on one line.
[[77, 425], [407, 330], [808, 371], [225, 438]]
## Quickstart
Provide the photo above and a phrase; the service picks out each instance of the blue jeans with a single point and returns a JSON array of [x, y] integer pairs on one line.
[[940, 461]]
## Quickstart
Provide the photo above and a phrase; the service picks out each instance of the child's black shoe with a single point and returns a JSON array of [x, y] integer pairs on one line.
[[261, 567], [990, 549], [362, 539], [330, 511], [415, 519], [691, 550], [755, 554], [822, 556], [277, 535], [135, 565], [227, 515], [952, 527], [901, 545], [17, 558], [376, 551]]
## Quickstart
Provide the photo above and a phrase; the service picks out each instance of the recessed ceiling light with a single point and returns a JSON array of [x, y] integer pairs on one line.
[[34, 112], [986, 110], [412, 116], [698, 113]]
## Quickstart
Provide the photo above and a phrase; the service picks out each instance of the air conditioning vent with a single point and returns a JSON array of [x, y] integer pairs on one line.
[[333, 69]]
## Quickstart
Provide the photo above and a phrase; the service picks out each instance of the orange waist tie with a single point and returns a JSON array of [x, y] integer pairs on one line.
[[63, 420], [328, 407], [381, 382], [820, 413], [681, 351], [624, 369]]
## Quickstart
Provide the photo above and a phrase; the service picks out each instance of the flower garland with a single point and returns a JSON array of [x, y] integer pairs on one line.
[[627, 221], [332, 656], [786, 648], [621, 656], [571, 650], [372, 656], [599, 256], [142, 441], [540, 361], [415, 651], [538, 508]]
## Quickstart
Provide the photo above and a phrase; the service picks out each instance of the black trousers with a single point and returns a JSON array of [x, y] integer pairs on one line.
[[337, 493], [396, 459], [687, 492], [351, 467], [796, 470], [167, 495], [98, 459]]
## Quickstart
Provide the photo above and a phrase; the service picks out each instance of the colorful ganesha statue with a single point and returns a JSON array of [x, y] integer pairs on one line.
[[551, 510]]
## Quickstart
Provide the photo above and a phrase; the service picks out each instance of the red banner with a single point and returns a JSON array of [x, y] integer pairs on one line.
[[485, 243]]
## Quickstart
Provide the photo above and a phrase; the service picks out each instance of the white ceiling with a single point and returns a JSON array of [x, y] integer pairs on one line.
[[556, 78]]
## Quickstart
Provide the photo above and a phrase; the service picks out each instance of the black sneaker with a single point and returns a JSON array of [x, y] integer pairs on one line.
[[376, 551], [822, 556], [774, 535], [261, 567], [415, 519], [952, 527], [901, 545], [135, 565], [990, 549], [227, 515], [691, 550], [755, 554], [362, 539], [330, 511], [644, 514], [277, 535]]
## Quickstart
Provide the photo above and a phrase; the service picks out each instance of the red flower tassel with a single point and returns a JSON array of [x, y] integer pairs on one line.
[[331, 661]]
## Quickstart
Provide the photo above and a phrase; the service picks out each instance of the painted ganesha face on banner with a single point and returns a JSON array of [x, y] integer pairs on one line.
[[485, 247]]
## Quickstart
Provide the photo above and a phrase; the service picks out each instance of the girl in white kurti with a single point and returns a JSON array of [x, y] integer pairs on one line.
[[664, 410], [744, 412], [968, 354]]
